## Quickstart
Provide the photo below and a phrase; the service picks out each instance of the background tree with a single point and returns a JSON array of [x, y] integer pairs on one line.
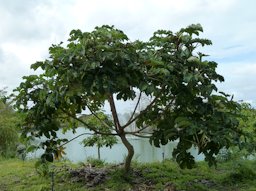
[[248, 125], [8, 127], [96, 139], [99, 67], [247, 144]]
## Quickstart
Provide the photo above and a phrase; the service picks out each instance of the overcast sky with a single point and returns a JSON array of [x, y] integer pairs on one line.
[[29, 27]]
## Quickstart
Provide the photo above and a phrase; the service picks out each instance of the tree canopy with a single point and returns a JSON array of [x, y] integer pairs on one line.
[[97, 68]]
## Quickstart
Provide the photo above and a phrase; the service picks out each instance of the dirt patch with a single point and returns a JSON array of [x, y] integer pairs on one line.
[[90, 176], [205, 182]]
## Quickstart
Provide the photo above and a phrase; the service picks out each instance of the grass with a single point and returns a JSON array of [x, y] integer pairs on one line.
[[16, 175]]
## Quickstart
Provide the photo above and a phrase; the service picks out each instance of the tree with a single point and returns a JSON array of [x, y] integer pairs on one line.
[[8, 130], [246, 146], [99, 140], [248, 126], [99, 67]]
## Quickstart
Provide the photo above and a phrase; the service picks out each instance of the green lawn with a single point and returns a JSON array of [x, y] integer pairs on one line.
[[16, 175]]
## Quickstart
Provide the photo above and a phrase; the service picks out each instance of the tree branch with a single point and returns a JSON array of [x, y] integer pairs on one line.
[[138, 131], [142, 112], [137, 104], [135, 133], [139, 135], [74, 138], [101, 121], [87, 125]]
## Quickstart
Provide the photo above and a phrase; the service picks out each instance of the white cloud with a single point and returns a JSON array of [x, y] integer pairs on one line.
[[29, 27], [239, 80]]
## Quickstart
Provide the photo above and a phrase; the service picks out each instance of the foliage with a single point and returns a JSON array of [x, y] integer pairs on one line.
[[247, 144], [42, 168], [248, 125], [241, 172], [8, 130], [99, 67]]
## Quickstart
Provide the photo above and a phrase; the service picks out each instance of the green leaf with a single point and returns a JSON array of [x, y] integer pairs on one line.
[[182, 121], [48, 157], [32, 148], [36, 65], [193, 59], [188, 77], [193, 29]]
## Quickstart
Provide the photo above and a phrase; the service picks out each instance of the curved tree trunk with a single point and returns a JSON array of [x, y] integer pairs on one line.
[[130, 149], [121, 133]]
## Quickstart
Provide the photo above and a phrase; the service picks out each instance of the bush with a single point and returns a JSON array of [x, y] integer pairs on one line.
[[242, 171], [42, 168], [95, 162], [8, 141]]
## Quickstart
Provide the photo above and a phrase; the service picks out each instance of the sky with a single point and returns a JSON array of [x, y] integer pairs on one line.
[[30, 27]]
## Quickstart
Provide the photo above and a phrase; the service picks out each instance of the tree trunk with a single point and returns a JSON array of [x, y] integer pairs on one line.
[[130, 149], [98, 152], [120, 132]]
